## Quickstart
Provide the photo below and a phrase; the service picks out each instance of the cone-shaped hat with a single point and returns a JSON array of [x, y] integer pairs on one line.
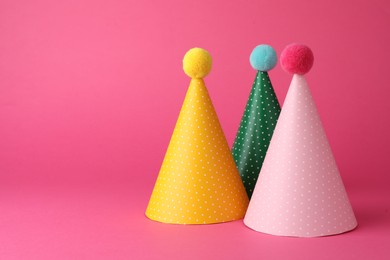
[[259, 119], [299, 191], [198, 182]]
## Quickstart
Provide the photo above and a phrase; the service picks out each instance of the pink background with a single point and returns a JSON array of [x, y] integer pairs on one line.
[[90, 92]]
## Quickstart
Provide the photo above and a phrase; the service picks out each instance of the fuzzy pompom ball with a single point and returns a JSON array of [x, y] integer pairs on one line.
[[263, 58], [197, 63], [297, 58]]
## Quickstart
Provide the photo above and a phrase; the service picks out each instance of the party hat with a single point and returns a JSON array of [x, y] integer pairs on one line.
[[299, 191], [198, 181], [259, 119]]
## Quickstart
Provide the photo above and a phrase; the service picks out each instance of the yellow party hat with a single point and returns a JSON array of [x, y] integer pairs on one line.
[[198, 181]]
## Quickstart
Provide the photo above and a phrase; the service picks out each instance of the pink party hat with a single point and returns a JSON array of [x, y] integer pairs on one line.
[[299, 192]]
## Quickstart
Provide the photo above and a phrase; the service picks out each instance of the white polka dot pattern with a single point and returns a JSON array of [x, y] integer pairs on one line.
[[300, 191], [198, 182]]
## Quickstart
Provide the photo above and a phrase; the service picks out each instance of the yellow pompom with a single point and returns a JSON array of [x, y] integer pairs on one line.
[[197, 63]]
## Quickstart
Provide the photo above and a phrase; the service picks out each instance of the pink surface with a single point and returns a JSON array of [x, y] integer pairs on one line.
[[90, 92], [299, 191]]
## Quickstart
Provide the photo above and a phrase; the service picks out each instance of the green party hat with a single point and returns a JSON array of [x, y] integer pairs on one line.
[[259, 120]]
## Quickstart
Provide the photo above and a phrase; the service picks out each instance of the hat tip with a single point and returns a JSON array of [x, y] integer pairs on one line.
[[197, 63], [297, 58], [263, 58]]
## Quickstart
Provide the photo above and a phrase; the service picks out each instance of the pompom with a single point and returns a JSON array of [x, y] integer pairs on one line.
[[297, 58], [263, 58], [197, 63]]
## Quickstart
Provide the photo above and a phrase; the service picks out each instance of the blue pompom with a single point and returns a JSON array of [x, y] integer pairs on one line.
[[263, 58]]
